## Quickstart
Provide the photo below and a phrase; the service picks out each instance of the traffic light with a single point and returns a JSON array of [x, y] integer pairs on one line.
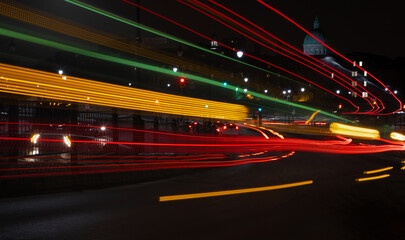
[[182, 82]]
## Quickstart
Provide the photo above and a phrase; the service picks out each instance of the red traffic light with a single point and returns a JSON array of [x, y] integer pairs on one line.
[[182, 80]]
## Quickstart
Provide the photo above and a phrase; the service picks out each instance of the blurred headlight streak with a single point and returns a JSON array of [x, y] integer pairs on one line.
[[397, 136], [34, 139], [67, 141], [355, 132]]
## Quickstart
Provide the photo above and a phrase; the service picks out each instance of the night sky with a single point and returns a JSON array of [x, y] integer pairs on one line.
[[351, 26]]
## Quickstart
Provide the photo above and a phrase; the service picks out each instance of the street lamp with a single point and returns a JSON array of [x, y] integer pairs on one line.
[[289, 90], [284, 92], [175, 69], [239, 54], [302, 89], [60, 71], [246, 79], [337, 91], [265, 91]]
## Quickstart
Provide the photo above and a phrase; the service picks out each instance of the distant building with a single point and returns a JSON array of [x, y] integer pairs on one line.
[[311, 46]]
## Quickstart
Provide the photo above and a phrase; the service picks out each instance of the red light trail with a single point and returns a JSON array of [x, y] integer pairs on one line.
[[301, 52], [190, 151], [299, 56], [331, 49], [226, 46], [296, 75]]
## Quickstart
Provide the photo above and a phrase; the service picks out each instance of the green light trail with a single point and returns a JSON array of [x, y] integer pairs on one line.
[[64, 47], [157, 32]]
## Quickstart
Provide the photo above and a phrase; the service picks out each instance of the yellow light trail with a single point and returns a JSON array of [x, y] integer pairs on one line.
[[232, 192], [403, 168], [34, 138], [45, 20], [378, 170], [372, 178], [25, 81], [312, 116], [397, 136], [356, 132]]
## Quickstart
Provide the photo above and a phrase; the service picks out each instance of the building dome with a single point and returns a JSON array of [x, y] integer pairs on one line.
[[311, 46]]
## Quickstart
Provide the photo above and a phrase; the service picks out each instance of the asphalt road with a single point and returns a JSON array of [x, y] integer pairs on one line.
[[334, 206]]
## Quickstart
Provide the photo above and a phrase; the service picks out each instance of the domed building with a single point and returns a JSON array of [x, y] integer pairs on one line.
[[311, 46]]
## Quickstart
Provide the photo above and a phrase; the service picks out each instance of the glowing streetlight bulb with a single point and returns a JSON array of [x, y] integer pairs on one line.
[[60, 72], [239, 54]]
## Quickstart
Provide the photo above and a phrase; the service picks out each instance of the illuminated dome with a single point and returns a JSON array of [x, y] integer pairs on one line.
[[311, 45]]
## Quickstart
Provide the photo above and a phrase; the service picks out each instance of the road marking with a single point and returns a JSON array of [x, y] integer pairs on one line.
[[378, 170], [231, 192], [372, 178]]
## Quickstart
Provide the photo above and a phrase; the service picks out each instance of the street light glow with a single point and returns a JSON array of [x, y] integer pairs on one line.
[[60, 72], [289, 90], [302, 89], [284, 92], [246, 79], [337, 91], [265, 91], [239, 54], [175, 69], [245, 90]]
